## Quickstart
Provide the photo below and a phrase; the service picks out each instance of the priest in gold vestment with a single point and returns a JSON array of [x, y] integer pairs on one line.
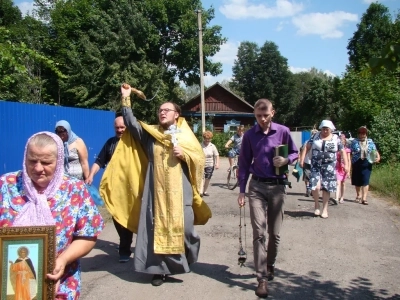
[[151, 186]]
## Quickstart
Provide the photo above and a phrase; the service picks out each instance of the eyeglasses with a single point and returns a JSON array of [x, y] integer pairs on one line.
[[60, 131], [166, 110]]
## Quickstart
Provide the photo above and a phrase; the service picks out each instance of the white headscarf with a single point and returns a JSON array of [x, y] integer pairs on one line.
[[327, 123]]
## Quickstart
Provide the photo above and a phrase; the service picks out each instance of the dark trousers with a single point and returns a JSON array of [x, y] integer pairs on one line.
[[125, 239]]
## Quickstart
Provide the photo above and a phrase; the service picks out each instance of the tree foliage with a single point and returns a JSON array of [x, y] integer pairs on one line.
[[386, 133], [9, 13], [373, 32], [20, 70], [363, 97], [150, 44], [244, 71], [262, 72]]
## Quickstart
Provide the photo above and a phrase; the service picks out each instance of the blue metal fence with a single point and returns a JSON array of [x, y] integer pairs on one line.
[[305, 136], [18, 121]]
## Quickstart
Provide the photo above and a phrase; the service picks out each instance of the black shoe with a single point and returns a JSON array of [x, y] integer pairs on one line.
[[270, 273], [262, 289], [124, 258], [158, 280], [308, 193]]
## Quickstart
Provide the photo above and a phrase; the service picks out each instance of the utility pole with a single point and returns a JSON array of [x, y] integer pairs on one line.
[[202, 103]]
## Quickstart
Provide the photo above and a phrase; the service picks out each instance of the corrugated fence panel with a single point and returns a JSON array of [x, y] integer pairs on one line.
[[296, 136], [18, 121], [305, 136]]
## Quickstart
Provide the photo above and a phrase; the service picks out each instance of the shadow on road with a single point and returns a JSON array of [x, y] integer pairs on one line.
[[286, 285], [292, 286], [299, 214], [222, 274]]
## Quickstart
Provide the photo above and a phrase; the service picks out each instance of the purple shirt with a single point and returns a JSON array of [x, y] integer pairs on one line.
[[258, 150]]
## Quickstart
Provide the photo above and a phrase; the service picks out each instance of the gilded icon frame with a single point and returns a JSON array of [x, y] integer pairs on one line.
[[39, 245]]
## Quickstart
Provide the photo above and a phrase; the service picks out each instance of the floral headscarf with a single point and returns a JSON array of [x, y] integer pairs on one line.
[[36, 211]]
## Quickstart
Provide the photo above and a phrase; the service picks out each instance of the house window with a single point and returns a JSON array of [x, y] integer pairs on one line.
[[197, 126], [231, 126]]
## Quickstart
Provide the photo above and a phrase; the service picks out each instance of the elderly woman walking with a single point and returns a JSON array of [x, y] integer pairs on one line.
[[324, 146], [41, 194], [212, 160], [364, 154]]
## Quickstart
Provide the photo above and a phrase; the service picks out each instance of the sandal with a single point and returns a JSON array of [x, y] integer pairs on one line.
[[341, 200], [358, 200], [365, 202]]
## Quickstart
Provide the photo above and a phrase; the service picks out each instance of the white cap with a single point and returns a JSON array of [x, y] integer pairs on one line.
[[327, 123]]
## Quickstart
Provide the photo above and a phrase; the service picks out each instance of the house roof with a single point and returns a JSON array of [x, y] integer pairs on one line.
[[195, 98]]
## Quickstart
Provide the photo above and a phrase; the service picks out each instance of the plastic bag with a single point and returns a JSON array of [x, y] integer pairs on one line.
[[94, 192]]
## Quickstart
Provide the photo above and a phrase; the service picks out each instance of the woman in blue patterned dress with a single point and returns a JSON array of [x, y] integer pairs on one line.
[[41, 195], [324, 146], [364, 154]]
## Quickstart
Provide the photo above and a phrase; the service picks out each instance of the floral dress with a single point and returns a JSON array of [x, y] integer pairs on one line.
[[75, 215], [323, 162]]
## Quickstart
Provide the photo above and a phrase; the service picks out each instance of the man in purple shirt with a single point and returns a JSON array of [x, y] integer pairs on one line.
[[266, 190]]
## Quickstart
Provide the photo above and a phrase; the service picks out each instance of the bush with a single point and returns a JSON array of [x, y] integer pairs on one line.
[[386, 135], [219, 140]]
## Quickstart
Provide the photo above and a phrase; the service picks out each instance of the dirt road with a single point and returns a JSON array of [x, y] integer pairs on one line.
[[354, 254]]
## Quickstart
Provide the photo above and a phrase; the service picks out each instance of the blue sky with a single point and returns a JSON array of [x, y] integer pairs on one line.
[[309, 33]]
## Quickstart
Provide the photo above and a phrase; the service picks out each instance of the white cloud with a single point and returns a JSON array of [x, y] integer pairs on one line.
[[295, 70], [25, 7], [281, 25], [298, 70], [226, 56], [227, 53], [329, 73], [244, 9], [325, 25], [210, 80]]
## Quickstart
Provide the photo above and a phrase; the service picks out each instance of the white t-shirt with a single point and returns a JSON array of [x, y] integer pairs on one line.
[[210, 152]]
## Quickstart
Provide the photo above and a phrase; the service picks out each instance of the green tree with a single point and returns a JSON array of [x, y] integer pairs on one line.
[[318, 102], [390, 55], [262, 72], [386, 134], [314, 92], [18, 77], [363, 97], [149, 44], [244, 71], [373, 32], [191, 91], [273, 80], [9, 13]]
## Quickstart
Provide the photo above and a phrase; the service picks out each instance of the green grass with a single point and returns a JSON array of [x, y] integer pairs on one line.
[[385, 180]]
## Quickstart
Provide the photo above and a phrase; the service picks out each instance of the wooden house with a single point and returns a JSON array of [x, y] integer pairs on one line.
[[224, 110]]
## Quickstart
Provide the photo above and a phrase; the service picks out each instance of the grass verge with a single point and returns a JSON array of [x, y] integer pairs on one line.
[[385, 180]]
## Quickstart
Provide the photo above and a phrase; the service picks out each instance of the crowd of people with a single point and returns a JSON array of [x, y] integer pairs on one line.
[[328, 160], [155, 179]]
